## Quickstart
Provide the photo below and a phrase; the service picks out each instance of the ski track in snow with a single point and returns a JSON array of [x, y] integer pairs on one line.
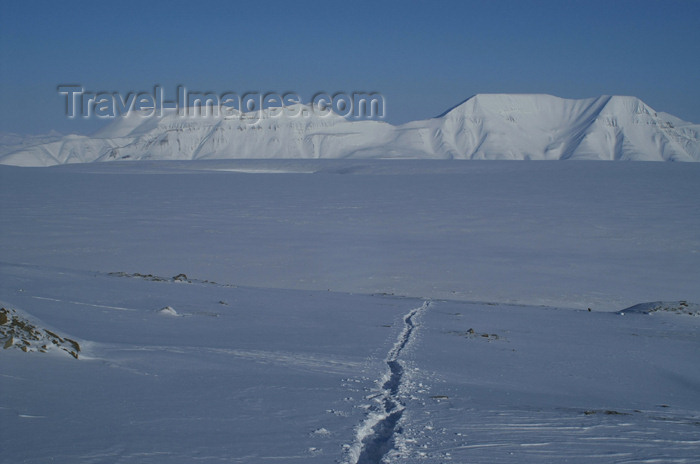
[[375, 436]]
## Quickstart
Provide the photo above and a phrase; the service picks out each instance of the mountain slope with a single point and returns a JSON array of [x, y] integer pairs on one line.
[[488, 126], [547, 127]]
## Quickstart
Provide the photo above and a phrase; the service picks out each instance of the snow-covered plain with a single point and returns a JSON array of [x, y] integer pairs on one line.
[[350, 311]]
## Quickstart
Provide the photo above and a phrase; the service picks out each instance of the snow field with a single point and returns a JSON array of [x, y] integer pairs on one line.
[[259, 316]]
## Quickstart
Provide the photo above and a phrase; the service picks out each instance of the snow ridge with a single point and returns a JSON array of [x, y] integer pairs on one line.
[[485, 126], [375, 436]]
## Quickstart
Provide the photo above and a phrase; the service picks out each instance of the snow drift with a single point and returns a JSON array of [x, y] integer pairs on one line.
[[488, 126]]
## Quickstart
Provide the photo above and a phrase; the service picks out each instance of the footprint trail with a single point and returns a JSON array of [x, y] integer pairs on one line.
[[375, 436]]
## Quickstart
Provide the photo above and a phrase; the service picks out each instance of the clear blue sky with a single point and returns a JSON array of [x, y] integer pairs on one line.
[[424, 57]]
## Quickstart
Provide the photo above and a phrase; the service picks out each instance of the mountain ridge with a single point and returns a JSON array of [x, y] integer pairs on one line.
[[484, 126]]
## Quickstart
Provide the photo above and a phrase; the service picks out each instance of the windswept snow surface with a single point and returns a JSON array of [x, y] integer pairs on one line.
[[488, 126], [600, 235], [345, 311]]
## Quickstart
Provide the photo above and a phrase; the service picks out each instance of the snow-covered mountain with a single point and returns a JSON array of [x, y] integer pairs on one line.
[[11, 142], [547, 127], [488, 126]]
